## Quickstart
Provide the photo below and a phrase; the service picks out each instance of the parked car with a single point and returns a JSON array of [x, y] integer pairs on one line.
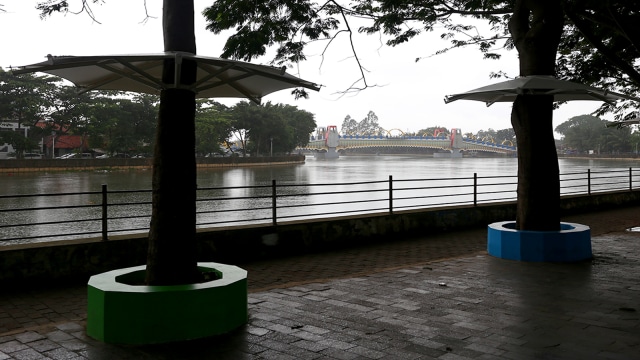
[[103, 156], [76, 156], [13, 155], [32, 156]]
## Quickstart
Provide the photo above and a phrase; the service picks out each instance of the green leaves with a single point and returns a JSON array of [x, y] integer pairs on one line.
[[260, 127], [587, 132]]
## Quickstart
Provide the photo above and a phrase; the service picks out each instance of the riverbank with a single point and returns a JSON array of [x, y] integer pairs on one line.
[[111, 164]]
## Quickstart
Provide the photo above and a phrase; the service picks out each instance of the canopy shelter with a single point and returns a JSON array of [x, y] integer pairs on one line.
[[142, 73], [561, 90]]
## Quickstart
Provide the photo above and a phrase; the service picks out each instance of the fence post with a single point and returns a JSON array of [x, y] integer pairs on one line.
[[390, 194], [104, 212], [475, 189], [630, 180], [589, 181], [273, 202]]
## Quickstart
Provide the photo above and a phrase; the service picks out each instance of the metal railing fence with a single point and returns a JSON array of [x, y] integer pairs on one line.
[[104, 213]]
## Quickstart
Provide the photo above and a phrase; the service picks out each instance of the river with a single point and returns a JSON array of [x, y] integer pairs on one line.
[[346, 169]]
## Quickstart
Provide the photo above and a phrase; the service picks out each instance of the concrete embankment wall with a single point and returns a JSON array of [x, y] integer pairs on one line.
[[50, 165], [76, 260]]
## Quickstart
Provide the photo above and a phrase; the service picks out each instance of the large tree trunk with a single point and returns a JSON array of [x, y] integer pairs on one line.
[[172, 256], [536, 27]]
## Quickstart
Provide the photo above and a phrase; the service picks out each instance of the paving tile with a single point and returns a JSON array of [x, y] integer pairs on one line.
[[29, 336], [61, 354], [386, 301], [12, 346], [43, 345], [28, 354]]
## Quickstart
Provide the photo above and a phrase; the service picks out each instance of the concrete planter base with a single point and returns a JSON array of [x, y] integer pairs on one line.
[[138, 314], [572, 243]]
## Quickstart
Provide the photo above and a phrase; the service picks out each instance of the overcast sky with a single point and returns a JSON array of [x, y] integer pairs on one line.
[[409, 95]]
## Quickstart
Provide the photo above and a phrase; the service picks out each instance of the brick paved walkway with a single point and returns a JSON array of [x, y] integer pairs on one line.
[[434, 297]]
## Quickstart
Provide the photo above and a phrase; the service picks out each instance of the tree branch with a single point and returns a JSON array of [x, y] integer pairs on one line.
[[584, 29]]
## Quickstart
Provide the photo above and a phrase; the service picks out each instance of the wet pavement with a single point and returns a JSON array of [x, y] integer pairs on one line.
[[438, 296]]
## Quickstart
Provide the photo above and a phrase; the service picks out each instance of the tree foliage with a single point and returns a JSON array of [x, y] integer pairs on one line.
[[112, 121], [587, 132], [599, 44], [349, 126], [434, 131], [533, 28], [25, 98], [213, 126], [271, 128], [367, 126]]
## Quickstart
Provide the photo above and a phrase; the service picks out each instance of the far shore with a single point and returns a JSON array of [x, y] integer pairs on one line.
[[113, 164]]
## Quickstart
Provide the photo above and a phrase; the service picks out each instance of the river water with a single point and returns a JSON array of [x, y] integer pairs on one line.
[[346, 169]]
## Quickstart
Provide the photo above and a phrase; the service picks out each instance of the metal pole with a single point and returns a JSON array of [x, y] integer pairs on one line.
[[390, 194], [589, 181], [630, 180], [475, 189], [104, 212], [273, 202]]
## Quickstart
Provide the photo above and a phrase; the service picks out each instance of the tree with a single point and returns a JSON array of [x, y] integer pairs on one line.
[[213, 127], [69, 112], [505, 135], [600, 46], [349, 126], [369, 125], [244, 116], [21, 101], [103, 126], [123, 125], [26, 100], [18, 141], [172, 257], [172, 254], [271, 127], [587, 132], [301, 123], [534, 28]]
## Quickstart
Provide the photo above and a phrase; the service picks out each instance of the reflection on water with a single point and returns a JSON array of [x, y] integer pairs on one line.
[[373, 171]]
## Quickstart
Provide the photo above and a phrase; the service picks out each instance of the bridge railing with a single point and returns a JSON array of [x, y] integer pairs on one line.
[[104, 213]]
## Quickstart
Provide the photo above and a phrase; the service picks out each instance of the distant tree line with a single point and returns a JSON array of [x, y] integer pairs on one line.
[[370, 126], [580, 134], [585, 133], [117, 122]]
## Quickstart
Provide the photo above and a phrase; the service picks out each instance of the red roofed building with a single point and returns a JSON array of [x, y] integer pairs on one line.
[[61, 144]]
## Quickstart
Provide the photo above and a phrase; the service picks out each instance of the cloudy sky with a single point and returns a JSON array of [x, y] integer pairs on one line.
[[408, 95]]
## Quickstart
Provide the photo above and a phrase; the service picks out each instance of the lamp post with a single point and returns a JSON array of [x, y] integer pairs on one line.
[[271, 149]]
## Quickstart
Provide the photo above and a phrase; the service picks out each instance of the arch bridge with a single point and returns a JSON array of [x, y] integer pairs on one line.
[[330, 142]]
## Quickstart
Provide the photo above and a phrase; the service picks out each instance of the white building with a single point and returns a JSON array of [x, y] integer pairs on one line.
[[6, 125]]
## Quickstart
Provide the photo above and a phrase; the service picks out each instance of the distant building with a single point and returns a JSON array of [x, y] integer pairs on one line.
[[8, 125], [60, 143]]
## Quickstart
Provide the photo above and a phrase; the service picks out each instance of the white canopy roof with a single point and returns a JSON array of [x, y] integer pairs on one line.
[[142, 73]]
